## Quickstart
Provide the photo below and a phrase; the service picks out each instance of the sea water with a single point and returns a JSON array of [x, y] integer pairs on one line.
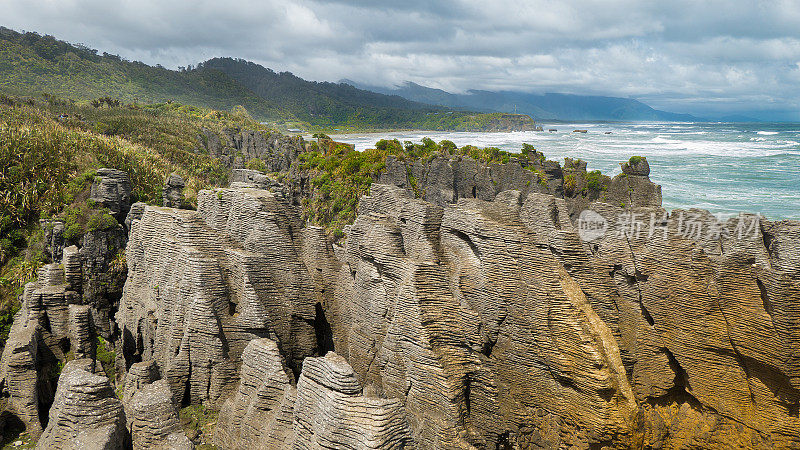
[[725, 168]]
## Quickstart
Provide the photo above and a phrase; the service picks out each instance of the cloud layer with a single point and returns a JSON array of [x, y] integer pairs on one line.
[[708, 58]]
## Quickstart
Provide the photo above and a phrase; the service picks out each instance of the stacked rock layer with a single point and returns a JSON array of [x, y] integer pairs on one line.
[[492, 321]]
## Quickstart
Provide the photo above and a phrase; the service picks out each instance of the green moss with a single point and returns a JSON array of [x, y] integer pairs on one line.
[[594, 181], [197, 420], [256, 164], [636, 160], [107, 358], [570, 184]]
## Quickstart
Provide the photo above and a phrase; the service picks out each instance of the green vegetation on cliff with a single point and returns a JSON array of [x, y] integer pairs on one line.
[[340, 175], [50, 149]]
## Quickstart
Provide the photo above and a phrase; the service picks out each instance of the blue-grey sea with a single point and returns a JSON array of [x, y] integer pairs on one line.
[[725, 168]]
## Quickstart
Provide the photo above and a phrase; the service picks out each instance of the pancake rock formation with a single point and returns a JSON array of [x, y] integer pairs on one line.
[[490, 321], [485, 307]]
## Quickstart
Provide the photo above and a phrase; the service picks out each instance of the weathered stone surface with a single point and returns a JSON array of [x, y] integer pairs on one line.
[[488, 322], [259, 414], [636, 166], [173, 191], [85, 414], [139, 375], [54, 320], [444, 179], [18, 376], [53, 238], [236, 147], [255, 179], [41, 329], [202, 284], [522, 305], [330, 411], [103, 280], [633, 191], [153, 419], [112, 189], [134, 214]]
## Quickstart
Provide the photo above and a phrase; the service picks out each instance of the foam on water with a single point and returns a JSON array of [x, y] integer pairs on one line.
[[722, 167]]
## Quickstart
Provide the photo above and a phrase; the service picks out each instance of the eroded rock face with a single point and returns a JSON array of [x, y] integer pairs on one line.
[[491, 323], [260, 413], [112, 189], [173, 191], [325, 410], [203, 284], [236, 147], [85, 414], [46, 324], [331, 412], [444, 179], [153, 419]]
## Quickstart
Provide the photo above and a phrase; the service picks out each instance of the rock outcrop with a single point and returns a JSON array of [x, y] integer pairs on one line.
[[486, 320], [112, 188], [47, 323], [62, 313], [235, 147], [523, 305], [325, 410], [85, 414], [444, 179], [202, 284], [260, 413], [153, 419], [331, 412], [173, 191]]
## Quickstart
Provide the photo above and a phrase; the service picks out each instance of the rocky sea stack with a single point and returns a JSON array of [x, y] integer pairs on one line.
[[513, 304]]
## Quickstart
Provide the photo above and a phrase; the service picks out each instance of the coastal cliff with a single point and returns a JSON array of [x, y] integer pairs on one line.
[[472, 304]]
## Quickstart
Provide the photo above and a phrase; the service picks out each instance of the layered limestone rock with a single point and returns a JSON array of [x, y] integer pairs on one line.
[[134, 214], [444, 179], [260, 413], [202, 284], [173, 191], [633, 188], [453, 310], [331, 412], [235, 147], [325, 410], [473, 318], [85, 414], [61, 314], [102, 275], [153, 419], [46, 325], [112, 188], [139, 375]]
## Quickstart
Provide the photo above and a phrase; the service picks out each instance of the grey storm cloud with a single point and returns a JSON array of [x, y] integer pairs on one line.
[[711, 57]]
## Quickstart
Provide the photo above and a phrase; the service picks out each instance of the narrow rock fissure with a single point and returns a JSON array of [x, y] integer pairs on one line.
[[323, 331]]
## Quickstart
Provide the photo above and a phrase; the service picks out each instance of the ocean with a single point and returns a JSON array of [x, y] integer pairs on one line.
[[725, 168]]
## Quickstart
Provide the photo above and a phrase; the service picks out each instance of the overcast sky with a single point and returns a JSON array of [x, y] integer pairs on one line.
[[702, 57]]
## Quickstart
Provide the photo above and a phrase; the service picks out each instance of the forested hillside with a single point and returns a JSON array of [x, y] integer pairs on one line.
[[31, 64]]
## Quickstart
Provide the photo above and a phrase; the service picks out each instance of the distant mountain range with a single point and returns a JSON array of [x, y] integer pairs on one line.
[[540, 107], [32, 64]]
